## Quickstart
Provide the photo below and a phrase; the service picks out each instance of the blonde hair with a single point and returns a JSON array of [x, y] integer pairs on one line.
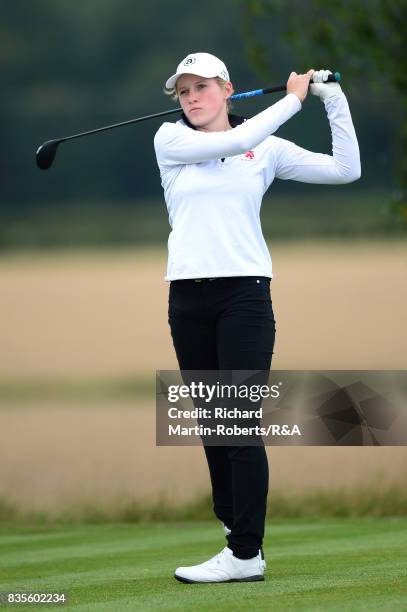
[[174, 95]]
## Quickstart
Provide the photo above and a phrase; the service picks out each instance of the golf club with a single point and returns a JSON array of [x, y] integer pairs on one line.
[[45, 154]]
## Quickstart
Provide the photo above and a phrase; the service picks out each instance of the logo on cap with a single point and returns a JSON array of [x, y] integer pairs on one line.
[[189, 60]]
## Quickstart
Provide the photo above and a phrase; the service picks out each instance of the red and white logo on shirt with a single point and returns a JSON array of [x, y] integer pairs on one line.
[[248, 156]]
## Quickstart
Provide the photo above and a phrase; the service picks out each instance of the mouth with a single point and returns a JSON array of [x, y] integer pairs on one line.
[[192, 110]]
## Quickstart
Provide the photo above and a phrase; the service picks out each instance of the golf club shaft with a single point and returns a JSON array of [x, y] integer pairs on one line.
[[45, 154], [247, 94]]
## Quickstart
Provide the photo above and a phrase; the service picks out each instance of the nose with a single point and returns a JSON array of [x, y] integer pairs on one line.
[[192, 97]]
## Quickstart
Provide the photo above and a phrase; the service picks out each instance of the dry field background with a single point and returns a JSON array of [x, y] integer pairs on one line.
[[98, 315]]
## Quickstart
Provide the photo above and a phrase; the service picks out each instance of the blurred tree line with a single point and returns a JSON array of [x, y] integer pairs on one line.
[[366, 36], [69, 67]]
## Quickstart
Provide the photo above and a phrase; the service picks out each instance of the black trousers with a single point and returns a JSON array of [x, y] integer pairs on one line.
[[228, 324]]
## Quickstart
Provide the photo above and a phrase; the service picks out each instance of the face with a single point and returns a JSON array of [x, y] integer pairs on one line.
[[202, 100]]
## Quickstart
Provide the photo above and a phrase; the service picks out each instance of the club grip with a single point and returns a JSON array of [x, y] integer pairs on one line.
[[335, 77]]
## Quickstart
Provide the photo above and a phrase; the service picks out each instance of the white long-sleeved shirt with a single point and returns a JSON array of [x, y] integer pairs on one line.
[[214, 183]]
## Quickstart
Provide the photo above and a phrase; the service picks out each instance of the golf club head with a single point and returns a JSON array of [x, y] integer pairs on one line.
[[45, 154]]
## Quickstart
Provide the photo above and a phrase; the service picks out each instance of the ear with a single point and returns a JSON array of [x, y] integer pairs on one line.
[[229, 90]]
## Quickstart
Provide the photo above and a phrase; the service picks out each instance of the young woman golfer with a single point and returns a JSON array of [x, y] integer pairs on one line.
[[215, 168]]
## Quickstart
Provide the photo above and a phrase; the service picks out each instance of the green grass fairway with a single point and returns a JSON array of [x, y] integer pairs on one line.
[[319, 564]]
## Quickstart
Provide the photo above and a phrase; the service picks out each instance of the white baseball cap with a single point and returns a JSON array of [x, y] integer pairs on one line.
[[202, 64]]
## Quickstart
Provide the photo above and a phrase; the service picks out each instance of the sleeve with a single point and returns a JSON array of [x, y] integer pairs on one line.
[[178, 144], [343, 166]]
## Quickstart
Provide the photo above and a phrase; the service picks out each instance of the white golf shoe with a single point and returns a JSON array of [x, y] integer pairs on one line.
[[223, 567], [228, 531]]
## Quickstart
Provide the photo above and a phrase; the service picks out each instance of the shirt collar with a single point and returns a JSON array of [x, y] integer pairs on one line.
[[234, 120]]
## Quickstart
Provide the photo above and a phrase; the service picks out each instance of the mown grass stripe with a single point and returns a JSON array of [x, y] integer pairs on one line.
[[352, 567]]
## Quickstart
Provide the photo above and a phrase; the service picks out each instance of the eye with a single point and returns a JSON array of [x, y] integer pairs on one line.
[[202, 85]]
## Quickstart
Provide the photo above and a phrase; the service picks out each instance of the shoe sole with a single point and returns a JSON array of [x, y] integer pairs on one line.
[[258, 578]]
